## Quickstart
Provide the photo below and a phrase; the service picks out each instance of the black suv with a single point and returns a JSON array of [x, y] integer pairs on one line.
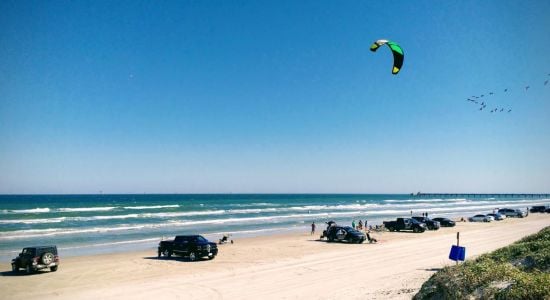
[[539, 209], [445, 222], [192, 246], [431, 224], [344, 233], [36, 258]]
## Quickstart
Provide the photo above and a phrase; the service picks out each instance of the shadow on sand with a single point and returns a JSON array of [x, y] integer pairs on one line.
[[174, 258], [23, 273]]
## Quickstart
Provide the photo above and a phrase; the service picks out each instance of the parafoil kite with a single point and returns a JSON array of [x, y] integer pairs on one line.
[[397, 51]]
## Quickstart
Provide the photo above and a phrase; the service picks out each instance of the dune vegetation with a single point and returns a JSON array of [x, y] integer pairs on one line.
[[518, 271]]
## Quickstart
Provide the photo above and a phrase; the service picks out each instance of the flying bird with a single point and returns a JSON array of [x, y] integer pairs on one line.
[[527, 87], [505, 90], [509, 110], [546, 82], [490, 93]]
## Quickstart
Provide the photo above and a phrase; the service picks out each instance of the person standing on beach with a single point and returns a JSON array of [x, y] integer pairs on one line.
[[353, 224], [313, 228]]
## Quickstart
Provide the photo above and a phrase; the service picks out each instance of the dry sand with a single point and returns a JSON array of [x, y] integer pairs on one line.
[[273, 267]]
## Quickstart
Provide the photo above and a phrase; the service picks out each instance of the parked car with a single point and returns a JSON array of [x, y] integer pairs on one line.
[[539, 209], [497, 216], [405, 224], [431, 224], [512, 212], [36, 258], [445, 222], [481, 218], [192, 246], [344, 234]]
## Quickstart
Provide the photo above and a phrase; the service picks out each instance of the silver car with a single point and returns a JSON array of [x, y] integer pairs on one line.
[[481, 218], [497, 216]]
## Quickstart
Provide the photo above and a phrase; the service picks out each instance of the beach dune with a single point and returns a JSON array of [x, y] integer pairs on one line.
[[272, 267]]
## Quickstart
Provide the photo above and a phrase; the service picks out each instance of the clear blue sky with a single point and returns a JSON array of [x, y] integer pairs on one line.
[[272, 96]]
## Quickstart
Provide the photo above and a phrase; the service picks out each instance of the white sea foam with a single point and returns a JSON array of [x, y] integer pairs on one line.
[[33, 221], [427, 200], [27, 211], [84, 209], [151, 207], [21, 234]]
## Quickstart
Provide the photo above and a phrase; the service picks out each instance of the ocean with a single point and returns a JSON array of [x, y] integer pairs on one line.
[[93, 224]]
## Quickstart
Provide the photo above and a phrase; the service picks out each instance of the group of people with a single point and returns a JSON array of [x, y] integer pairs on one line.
[[360, 225]]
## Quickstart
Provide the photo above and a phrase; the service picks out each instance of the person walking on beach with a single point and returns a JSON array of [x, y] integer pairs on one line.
[[313, 228], [366, 224], [360, 227]]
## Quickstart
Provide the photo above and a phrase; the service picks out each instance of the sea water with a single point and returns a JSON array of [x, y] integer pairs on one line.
[[90, 224]]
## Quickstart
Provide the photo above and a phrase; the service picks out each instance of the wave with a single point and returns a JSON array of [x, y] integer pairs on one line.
[[26, 211], [84, 209], [33, 221], [428, 200], [62, 231], [151, 206]]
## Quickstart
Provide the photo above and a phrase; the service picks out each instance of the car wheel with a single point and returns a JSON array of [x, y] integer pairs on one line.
[[415, 230], [167, 253], [330, 240], [192, 256], [14, 268], [28, 269], [211, 257], [53, 269]]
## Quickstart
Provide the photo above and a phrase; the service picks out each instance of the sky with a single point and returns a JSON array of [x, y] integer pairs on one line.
[[273, 97]]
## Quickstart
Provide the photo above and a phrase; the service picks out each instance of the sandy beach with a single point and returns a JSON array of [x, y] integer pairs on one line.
[[272, 267]]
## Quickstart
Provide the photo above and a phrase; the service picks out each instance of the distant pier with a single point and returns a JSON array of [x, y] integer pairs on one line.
[[460, 195]]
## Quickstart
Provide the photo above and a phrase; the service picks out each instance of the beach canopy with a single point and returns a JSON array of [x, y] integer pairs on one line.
[[398, 55]]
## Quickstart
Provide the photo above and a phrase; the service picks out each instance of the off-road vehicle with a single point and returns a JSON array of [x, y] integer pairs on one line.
[[36, 258]]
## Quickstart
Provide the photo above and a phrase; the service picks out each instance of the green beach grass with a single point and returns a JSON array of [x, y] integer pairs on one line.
[[518, 271]]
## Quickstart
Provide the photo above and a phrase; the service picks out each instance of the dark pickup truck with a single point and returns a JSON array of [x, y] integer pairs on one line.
[[405, 224], [192, 246], [431, 224]]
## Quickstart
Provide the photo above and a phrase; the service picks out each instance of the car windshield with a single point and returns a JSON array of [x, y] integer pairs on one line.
[[349, 229], [479, 216], [201, 239]]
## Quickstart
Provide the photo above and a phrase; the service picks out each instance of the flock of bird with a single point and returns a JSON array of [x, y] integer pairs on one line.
[[483, 105]]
